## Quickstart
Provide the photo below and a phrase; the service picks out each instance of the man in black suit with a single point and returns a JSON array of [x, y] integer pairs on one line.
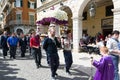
[[23, 44], [4, 44], [50, 45]]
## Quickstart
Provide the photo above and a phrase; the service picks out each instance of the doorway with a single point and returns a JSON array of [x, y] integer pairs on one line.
[[107, 31]]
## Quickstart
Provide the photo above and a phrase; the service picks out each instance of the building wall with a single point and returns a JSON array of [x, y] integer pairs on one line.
[[93, 25], [25, 11], [77, 8]]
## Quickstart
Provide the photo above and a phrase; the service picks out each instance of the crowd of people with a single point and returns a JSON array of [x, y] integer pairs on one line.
[[50, 44], [11, 43], [109, 48], [107, 67], [93, 44]]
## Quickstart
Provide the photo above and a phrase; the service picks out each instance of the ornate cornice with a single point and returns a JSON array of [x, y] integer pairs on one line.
[[49, 4]]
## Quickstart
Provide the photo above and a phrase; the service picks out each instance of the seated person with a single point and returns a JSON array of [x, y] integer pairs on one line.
[[83, 45]]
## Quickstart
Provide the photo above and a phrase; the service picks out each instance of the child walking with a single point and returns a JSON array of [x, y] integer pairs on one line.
[[105, 67]]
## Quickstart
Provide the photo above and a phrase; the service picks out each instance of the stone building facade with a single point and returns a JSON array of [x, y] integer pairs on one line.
[[77, 9], [18, 15]]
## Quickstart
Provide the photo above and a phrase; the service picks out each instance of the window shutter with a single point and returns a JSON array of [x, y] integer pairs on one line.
[[28, 4], [21, 3], [34, 5], [42, 0], [15, 4]]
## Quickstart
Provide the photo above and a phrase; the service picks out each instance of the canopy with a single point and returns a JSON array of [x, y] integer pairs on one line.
[[56, 16]]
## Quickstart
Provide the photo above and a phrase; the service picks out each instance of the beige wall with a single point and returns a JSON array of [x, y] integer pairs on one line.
[[93, 25]]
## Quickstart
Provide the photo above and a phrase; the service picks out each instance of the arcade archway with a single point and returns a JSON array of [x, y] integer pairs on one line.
[[18, 31], [103, 20]]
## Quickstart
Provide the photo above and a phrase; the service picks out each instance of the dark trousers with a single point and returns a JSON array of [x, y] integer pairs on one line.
[[68, 59], [54, 63], [47, 58], [29, 48], [23, 51], [13, 51], [37, 55], [116, 64], [4, 50]]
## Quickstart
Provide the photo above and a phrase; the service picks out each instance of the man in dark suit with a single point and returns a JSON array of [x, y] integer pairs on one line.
[[4, 44], [23, 44], [50, 45]]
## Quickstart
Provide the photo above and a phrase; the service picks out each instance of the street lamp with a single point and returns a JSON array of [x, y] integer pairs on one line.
[[92, 9]]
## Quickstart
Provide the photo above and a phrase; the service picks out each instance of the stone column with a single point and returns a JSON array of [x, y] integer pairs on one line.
[[116, 22], [77, 32]]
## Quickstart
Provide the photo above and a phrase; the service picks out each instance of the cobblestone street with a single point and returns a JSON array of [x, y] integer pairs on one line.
[[25, 69]]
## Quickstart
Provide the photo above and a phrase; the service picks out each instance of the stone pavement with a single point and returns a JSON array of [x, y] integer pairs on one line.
[[25, 69]]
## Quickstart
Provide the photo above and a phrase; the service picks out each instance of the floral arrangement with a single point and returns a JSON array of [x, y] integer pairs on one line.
[[56, 16], [60, 15]]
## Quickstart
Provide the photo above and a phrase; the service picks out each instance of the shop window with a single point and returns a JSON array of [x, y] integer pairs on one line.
[[109, 11], [84, 15]]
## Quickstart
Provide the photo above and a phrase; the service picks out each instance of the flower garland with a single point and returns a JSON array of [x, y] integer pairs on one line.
[[57, 16]]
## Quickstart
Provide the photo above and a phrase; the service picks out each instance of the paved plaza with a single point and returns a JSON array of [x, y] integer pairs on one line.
[[25, 69]]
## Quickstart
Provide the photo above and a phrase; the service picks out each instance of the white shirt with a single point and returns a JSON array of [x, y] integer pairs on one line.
[[100, 44], [67, 44], [112, 44]]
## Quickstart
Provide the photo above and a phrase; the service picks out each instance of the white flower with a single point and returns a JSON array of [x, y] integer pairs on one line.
[[58, 14]]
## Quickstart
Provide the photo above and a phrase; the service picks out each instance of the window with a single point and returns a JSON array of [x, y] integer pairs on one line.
[[108, 10], [31, 19], [1, 18], [84, 15], [18, 18], [31, 5], [19, 3], [8, 10]]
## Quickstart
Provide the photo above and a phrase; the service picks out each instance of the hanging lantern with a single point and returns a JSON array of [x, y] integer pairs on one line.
[[92, 9]]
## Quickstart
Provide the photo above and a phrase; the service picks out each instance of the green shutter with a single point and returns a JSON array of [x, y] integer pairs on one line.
[[28, 4], [21, 3], [42, 0], [34, 5]]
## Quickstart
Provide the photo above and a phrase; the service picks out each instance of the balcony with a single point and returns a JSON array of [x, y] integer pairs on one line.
[[20, 23], [4, 5]]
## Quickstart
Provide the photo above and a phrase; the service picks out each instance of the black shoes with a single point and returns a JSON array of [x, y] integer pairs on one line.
[[68, 73], [12, 57], [4, 57], [56, 75], [38, 66], [53, 78]]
